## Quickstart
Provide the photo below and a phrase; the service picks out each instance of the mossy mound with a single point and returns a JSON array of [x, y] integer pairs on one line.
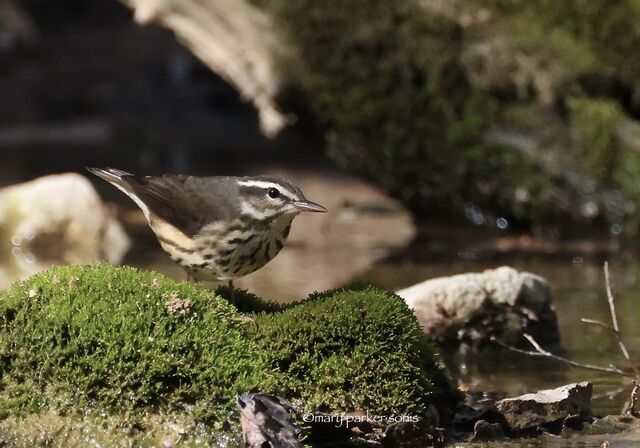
[[72, 336], [357, 348], [118, 339]]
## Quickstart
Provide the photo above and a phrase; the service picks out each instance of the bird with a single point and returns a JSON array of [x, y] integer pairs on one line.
[[216, 228]]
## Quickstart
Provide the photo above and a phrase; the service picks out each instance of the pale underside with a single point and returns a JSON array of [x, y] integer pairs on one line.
[[220, 254]]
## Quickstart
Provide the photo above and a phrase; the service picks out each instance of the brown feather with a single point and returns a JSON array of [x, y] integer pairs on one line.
[[186, 202]]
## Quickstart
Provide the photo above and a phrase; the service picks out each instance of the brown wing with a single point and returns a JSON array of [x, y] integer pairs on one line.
[[186, 202]]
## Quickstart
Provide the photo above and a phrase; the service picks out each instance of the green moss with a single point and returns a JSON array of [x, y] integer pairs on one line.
[[409, 94], [386, 81], [75, 335], [357, 348], [611, 30], [115, 429], [595, 123], [75, 339]]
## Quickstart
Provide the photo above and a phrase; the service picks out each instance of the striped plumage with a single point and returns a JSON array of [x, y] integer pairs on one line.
[[216, 228]]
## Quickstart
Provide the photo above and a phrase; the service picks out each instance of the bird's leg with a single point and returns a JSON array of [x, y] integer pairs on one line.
[[233, 293], [191, 278], [241, 317]]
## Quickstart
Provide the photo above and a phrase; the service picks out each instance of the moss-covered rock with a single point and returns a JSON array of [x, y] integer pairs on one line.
[[374, 73], [354, 348], [595, 123], [117, 341], [73, 336], [413, 94]]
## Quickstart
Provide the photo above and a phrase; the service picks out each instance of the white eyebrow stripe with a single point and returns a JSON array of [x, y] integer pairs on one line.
[[258, 183], [266, 185], [287, 193]]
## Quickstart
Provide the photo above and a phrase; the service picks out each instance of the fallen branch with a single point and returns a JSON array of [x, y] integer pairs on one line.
[[542, 353], [234, 38]]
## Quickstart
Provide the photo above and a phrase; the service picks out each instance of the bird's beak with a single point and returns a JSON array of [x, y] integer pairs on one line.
[[308, 206]]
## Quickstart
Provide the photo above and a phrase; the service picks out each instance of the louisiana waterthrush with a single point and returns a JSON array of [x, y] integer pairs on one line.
[[216, 228]]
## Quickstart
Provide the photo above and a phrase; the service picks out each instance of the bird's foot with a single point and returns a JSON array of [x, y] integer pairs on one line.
[[244, 319]]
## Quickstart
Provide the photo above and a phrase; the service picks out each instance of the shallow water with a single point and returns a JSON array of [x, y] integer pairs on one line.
[[626, 440], [578, 291]]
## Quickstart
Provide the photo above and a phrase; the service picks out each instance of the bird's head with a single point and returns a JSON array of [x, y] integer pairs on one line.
[[268, 198]]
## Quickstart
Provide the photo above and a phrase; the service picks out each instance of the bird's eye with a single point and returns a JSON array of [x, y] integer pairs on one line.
[[273, 193]]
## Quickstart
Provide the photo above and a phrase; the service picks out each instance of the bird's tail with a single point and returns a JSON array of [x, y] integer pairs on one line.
[[118, 178], [111, 175]]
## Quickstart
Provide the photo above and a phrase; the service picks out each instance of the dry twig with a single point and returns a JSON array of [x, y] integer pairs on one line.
[[614, 320], [542, 353], [614, 328]]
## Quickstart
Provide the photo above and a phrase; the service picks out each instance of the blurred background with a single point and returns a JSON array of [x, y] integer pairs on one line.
[[444, 136]]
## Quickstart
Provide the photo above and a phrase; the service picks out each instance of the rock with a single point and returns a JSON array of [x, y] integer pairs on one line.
[[473, 307], [56, 219], [546, 406], [573, 422], [409, 434], [478, 425], [612, 430], [265, 422], [467, 417], [483, 431], [610, 424]]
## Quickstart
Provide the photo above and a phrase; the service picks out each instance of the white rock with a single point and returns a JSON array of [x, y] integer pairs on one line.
[[58, 219], [546, 406], [446, 304]]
